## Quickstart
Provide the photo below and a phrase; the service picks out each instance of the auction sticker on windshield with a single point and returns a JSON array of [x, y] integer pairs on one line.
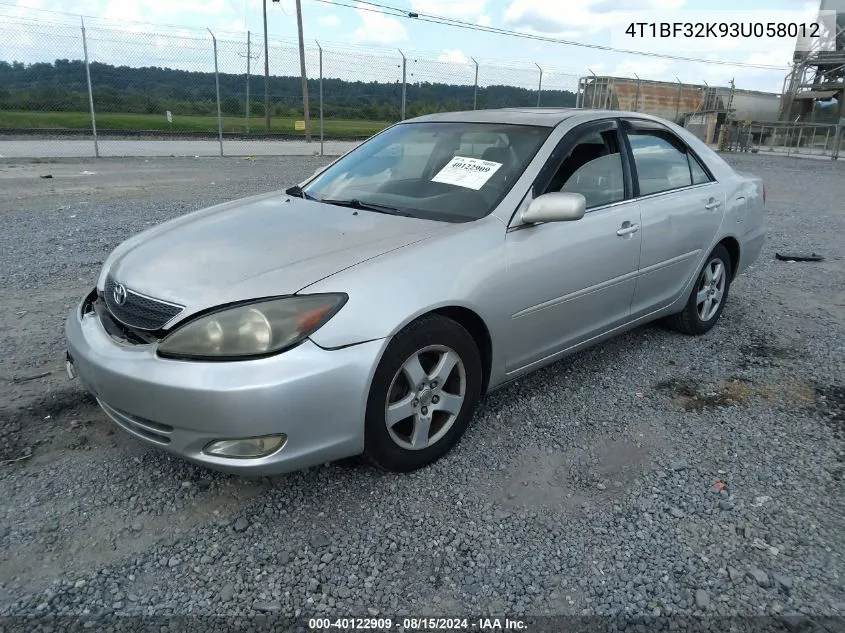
[[471, 173]]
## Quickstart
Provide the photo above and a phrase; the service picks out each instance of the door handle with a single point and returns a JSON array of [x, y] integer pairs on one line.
[[628, 229], [713, 204]]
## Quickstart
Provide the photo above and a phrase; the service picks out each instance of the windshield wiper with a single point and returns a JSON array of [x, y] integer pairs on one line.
[[365, 206], [298, 192]]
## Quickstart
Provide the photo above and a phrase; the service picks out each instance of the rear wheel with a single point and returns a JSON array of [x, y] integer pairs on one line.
[[423, 395], [708, 296]]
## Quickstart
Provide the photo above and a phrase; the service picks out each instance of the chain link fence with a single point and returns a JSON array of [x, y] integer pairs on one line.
[[166, 91], [107, 89]]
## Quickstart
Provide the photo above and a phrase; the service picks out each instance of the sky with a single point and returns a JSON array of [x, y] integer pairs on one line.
[[435, 52]]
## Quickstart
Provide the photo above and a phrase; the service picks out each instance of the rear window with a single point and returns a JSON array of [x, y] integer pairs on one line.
[[661, 166]]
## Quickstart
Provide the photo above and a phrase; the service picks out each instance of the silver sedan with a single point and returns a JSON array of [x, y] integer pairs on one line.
[[366, 310]]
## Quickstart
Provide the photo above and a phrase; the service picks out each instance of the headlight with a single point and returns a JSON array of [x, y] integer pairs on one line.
[[254, 329]]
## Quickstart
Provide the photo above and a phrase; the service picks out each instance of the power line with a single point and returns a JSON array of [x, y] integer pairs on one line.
[[435, 19], [119, 29], [383, 9]]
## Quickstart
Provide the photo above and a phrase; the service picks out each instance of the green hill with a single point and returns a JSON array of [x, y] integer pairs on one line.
[[61, 87]]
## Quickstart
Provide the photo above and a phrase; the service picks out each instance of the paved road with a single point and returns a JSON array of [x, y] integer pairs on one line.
[[74, 148]]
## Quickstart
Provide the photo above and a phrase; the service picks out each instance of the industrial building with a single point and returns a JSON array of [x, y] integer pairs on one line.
[[702, 108], [818, 75]]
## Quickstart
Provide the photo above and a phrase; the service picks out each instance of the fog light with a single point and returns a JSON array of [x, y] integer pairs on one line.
[[247, 447]]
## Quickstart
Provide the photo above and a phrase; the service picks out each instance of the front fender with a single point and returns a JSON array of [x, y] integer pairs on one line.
[[460, 268]]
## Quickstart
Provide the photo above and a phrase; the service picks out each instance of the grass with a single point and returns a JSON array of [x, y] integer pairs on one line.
[[187, 123]]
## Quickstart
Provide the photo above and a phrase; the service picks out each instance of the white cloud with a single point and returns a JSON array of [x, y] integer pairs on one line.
[[120, 11], [777, 57], [377, 28], [208, 7], [645, 68], [484, 20], [234, 26], [328, 20], [450, 8], [453, 56], [550, 17], [151, 9], [748, 78], [666, 4], [141, 16], [288, 7], [590, 16], [28, 8]]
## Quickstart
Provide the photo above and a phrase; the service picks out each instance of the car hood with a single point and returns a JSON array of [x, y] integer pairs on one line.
[[256, 247]]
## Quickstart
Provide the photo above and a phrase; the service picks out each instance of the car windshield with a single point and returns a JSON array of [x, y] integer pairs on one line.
[[453, 172]]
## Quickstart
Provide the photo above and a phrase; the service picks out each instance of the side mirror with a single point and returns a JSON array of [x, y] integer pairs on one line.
[[555, 207]]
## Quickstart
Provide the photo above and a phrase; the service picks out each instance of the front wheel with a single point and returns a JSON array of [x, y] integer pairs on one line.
[[423, 395], [708, 296]]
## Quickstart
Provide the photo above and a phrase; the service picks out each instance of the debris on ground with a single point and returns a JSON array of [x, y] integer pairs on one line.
[[17, 459], [21, 379], [812, 257]]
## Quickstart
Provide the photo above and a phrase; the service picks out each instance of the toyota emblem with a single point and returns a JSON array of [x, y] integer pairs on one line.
[[119, 294]]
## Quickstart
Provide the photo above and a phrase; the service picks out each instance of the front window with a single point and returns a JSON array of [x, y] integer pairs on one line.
[[593, 168], [453, 172]]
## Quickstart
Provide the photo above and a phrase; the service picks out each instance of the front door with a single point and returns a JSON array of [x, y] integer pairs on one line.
[[571, 281]]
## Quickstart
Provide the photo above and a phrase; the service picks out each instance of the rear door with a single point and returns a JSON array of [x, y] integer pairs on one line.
[[569, 281], [681, 207]]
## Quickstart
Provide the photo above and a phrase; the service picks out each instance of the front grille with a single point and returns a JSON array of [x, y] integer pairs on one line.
[[139, 311], [119, 331]]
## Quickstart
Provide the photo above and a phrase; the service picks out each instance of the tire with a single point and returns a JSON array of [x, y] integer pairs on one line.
[[694, 319], [437, 415]]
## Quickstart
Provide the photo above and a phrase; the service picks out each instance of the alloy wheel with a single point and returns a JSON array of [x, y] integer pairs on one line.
[[711, 289], [425, 397]]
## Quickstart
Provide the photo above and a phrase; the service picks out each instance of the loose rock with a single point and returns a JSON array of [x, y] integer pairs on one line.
[[759, 576]]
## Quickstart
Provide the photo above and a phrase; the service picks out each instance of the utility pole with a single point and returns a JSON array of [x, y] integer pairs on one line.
[[731, 97], [249, 57], [305, 107], [266, 75], [723, 132]]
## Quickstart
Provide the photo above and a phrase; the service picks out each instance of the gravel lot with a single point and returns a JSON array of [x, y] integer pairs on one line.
[[585, 489]]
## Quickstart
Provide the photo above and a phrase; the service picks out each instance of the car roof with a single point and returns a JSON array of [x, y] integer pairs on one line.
[[545, 117]]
